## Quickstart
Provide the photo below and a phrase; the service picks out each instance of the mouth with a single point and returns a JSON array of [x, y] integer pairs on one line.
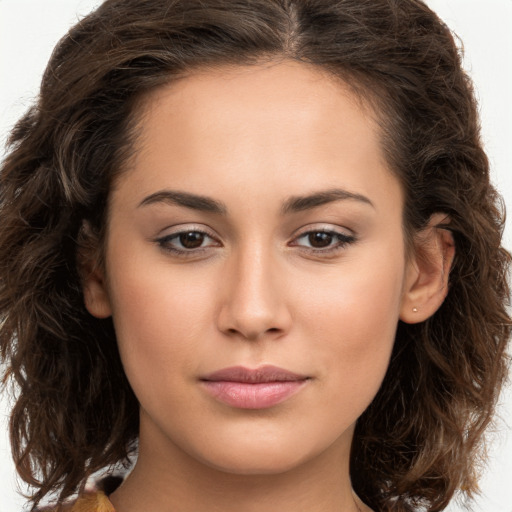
[[258, 388]]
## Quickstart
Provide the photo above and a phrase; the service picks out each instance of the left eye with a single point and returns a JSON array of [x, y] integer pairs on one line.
[[321, 239]]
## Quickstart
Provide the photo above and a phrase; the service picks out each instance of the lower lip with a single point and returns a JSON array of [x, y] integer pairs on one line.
[[260, 395]]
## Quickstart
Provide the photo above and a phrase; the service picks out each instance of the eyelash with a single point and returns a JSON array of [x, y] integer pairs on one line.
[[165, 242], [342, 241]]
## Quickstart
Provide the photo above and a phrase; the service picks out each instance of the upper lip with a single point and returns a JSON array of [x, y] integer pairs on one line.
[[267, 373]]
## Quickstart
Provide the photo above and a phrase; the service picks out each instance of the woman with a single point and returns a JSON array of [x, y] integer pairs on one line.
[[254, 243]]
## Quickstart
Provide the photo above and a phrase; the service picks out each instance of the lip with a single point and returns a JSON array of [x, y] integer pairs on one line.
[[258, 388]]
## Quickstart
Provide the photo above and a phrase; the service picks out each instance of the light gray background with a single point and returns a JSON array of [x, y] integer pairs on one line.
[[29, 30]]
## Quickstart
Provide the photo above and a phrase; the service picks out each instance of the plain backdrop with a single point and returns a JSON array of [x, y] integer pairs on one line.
[[29, 30]]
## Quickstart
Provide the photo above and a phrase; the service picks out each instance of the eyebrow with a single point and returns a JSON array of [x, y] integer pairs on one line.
[[292, 205], [193, 201], [301, 203]]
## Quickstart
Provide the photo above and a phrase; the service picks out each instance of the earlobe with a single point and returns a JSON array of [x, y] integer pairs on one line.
[[426, 280], [94, 286], [96, 297]]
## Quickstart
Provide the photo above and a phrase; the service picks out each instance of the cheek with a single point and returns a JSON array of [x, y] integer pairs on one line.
[[363, 296], [160, 318], [353, 318]]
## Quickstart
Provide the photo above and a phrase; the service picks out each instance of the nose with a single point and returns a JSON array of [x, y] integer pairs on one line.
[[253, 297]]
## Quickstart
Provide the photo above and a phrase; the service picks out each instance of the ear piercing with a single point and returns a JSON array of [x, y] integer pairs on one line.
[[415, 310]]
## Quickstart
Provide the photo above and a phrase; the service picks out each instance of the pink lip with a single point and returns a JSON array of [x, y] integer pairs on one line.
[[260, 388]]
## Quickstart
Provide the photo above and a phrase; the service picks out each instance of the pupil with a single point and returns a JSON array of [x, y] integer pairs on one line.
[[320, 239], [191, 240]]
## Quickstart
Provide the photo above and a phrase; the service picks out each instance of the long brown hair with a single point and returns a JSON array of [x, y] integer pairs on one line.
[[421, 438]]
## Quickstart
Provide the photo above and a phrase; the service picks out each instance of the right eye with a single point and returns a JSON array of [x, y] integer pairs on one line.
[[187, 242]]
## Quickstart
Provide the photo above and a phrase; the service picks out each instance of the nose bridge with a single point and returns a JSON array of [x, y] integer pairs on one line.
[[255, 277], [253, 301]]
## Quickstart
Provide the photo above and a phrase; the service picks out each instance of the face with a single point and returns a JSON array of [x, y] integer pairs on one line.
[[255, 267]]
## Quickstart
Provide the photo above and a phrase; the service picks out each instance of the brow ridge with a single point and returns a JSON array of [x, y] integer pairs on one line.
[[186, 199], [307, 202], [293, 204]]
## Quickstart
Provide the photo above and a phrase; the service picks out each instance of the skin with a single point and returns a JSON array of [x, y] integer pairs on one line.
[[255, 291]]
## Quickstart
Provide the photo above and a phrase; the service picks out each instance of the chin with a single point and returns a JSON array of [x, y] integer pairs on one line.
[[264, 462], [255, 455]]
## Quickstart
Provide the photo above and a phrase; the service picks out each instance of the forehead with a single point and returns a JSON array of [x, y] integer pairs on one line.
[[269, 87], [287, 122]]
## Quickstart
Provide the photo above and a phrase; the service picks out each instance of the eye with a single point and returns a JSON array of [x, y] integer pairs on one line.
[[191, 239], [323, 240], [187, 242]]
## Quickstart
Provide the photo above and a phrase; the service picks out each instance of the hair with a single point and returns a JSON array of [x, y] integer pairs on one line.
[[421, 439]]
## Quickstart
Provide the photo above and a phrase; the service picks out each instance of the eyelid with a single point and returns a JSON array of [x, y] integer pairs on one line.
[[344, 237], [325, 228], [183, 228], [164, 237]]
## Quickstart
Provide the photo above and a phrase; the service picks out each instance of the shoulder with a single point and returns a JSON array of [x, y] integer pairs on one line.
[[62, 508], [93, 500], [89, 502]]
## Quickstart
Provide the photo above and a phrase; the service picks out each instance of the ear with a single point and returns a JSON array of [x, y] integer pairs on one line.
[[426, 280], [94, 285]]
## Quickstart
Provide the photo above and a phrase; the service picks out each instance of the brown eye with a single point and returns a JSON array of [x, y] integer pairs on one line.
[[324, 242], [320, 239], [191, 239], [185, 243]]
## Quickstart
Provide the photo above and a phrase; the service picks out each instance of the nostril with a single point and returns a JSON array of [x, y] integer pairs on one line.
[[254, 334], [253, 316]]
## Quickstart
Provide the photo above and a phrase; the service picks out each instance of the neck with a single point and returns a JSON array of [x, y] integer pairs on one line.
[[167, 479]]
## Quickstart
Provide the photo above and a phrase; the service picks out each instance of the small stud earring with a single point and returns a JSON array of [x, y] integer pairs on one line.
[[414, 310]]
